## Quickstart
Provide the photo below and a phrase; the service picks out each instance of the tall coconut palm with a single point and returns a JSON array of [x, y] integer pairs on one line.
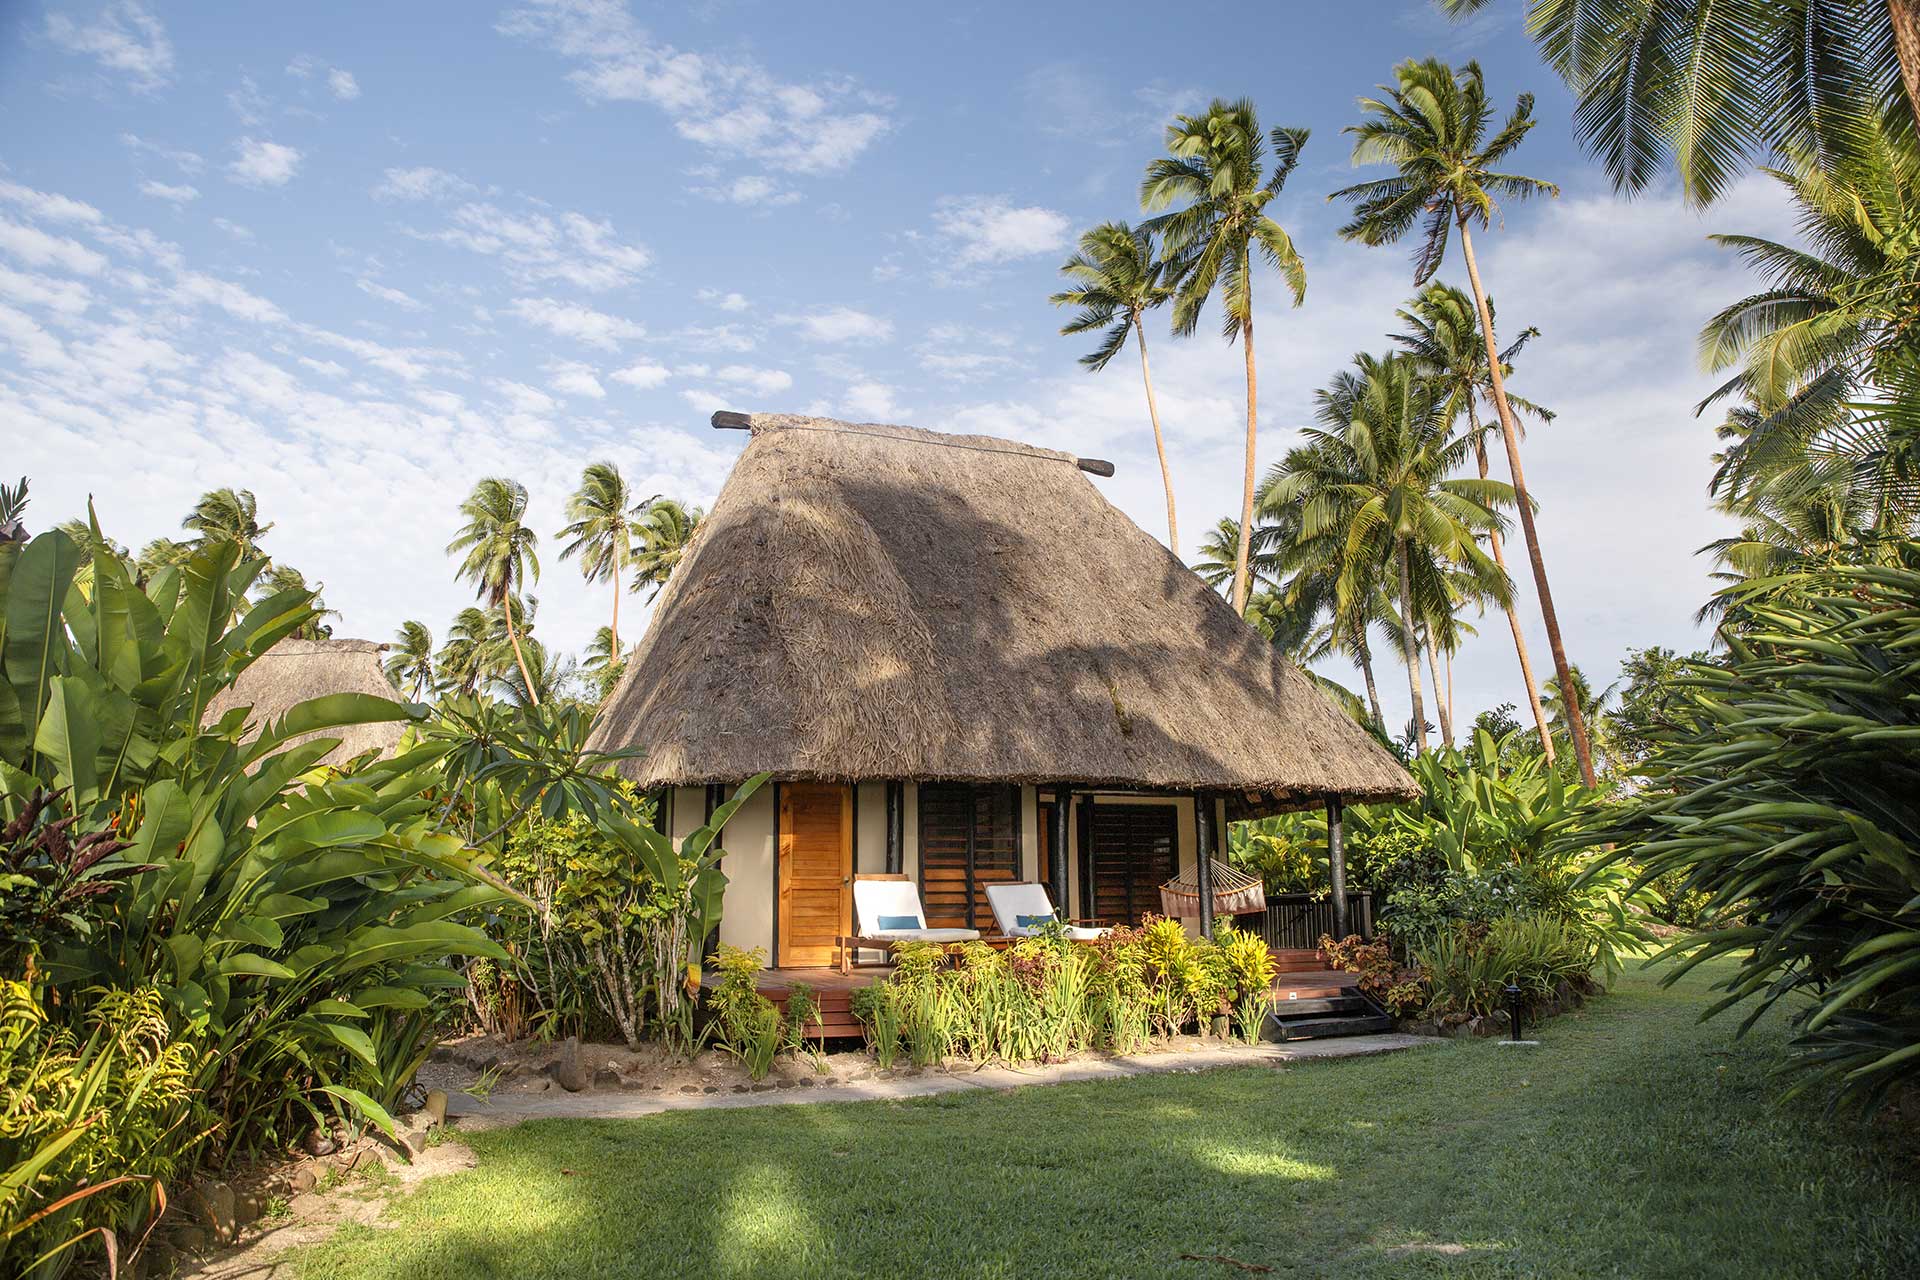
[[281, 578], [228, 515], [1838, 321], [500, 554], [665, 530], [464, 663], [1218, 169], [1432, 126], [1444, 336], [602, 511], [410, 659], [1116, 281], [1377, 473], [1711, 86], [13, 507]]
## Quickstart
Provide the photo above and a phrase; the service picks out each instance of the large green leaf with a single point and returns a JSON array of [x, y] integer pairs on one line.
[[36, 644], [382, 944], [69, 736]]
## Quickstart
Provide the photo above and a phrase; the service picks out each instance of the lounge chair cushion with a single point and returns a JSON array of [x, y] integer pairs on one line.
[[889, 923], [1033, 922], [926, 935]]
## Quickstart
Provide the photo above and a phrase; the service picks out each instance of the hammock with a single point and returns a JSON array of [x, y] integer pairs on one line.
[[1235, 893]]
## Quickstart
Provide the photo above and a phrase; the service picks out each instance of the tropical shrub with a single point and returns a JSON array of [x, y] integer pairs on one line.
[[92, 1126], [1787, 791], [1399, 989], [297, 920], [1469, 969], [746, 1024]]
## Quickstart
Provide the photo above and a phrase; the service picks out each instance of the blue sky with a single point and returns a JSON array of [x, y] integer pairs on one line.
[[356, 257]]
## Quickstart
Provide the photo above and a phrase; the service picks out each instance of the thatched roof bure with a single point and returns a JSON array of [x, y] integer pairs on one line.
[[295, 670], [882, 602]]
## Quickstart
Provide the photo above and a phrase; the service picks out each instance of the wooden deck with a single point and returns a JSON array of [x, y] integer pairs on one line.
[[1303, 976]]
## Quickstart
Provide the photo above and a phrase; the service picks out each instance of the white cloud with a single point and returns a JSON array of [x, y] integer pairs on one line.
[[724, 301], [990, 229], [188, 162], [582, 324], [754, 189], [423, 183], [243, 234], [714, 337], [125, 38], [263, 164], [871, 402], [342, 85], [248, 103], [761, 382], [705, 402], [729, 105], [570, 377], [49, 206], [63, 297], [173, 193], [841, 324], [39, 248], [571, 247], [525, 399], [644, 375], [398, 298]]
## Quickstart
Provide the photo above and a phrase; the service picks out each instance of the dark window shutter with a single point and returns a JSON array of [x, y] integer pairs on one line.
[[1135, 851], [969, 838]]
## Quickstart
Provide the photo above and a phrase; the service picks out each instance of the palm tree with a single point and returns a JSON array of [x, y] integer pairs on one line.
[[13, 506], [1713, 85], [1445, 339], [1595, 704], [1116, 281], [1432, 125], [665, 530], [1376, 474], [1217, 168], [1838, 321], [410, 659], [499, 553], [465, 661], [602, 510], [228, 515], [281, 578]]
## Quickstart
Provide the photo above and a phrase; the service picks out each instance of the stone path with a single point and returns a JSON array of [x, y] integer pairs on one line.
[[556, 1103]]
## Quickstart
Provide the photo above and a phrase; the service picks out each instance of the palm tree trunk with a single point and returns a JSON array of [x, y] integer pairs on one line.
[[1409, 646], [1246, 490], [619, 589], [520, 659], [1439, 702], [1905, 15], [1449, 684], [1576, 721], [1159, 442], [1366, 673], [1513, 612]]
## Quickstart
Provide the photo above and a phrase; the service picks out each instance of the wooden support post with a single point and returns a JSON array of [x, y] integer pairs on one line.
[[1337, 864], [896, 828], [1057, 850], [716, 796], [1203, 842]]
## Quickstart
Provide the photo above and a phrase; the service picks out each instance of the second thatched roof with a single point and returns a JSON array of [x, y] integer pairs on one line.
[[869, 602], [295, 670]]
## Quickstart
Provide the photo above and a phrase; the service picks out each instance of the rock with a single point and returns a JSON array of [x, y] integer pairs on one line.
[[410, 1132], [437, 1105], [567, 1072], [763, 1086], [219, 1209], [320, 1143], [191, 1239], [303, 1179], [606, 1078], [689, 1088], [248, 1206]]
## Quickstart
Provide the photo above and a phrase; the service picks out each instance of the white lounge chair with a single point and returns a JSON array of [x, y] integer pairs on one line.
[[1022, 909], [887, 910]]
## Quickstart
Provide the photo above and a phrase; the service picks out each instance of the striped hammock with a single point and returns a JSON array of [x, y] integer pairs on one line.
[[1235, 893]]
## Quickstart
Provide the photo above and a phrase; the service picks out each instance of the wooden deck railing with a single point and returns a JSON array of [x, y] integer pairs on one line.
[[1295, 921]]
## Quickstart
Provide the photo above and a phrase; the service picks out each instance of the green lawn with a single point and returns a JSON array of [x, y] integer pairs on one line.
[[1635, 1143]]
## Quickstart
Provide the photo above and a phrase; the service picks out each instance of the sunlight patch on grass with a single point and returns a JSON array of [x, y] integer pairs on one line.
[[763, 1224], [1250, 1162]]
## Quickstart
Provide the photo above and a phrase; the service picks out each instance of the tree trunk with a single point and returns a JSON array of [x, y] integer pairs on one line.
[[1905, 16], [1409, 647], [619, 589], [1246, 489], [1366, 673], [1159, 442], [1449, 684], [1439, 700], [1510, 433], [520, 659], [1513, 611]]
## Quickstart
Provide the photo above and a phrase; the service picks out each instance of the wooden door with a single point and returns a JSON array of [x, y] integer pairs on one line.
[[816, 871], [1135, 850]]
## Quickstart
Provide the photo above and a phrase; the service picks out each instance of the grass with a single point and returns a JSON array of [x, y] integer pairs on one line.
[[1636, 1142]]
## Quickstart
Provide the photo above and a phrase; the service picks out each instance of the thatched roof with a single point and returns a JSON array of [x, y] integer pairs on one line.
[[295, 670], [869, 602]]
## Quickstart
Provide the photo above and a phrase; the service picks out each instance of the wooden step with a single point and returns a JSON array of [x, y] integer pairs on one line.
[[1285, 1029], [1316, 1006]]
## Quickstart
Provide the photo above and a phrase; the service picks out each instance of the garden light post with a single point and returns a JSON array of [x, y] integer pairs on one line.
[[1513, 1011], [1337, 864]]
